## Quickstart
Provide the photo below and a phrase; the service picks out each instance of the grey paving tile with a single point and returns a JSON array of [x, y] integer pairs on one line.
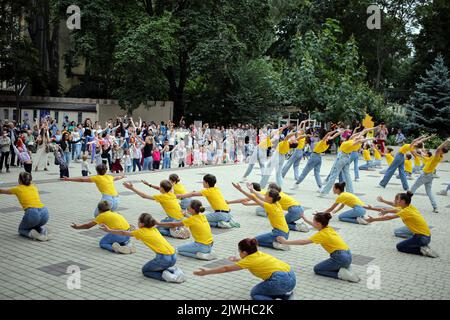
[[93, 233], [10, 209], [217, 231], [361, 260], [59, 269], [218, 263], [126, 193]]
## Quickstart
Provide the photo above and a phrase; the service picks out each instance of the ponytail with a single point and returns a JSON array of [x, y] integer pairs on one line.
[[248, 245], [407, 196], [197, 206], [323, 218], [25, 178], [274, 194], [147, 220], [174, 178], [340, 186]]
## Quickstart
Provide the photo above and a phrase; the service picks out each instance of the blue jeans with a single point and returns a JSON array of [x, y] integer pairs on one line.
[[351, 215], [148, 164], [376, 163], [191, 249], [107, 241], [425, 179], [214, 218], [34, 218], [330, 267], [397, 163], [155, 268], [314, 162], [342, 164], [276, 162], [295, 161], [76, 151], [113, 202], [369, 164], [259, 155], [277, 286], [354, 158], [166, 231], [267, 239], [166, 163], [184, 203], [67, 157], [136, 163], [413, 244], [293, 214], [403, 232]]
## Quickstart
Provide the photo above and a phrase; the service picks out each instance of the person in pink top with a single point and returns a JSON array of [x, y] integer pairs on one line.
[[156, 158]]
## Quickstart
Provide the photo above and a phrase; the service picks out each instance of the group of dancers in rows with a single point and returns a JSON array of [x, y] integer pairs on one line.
[[187, 218]]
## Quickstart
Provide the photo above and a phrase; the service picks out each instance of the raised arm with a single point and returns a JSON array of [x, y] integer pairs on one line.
[[248, 195], [130, 186]]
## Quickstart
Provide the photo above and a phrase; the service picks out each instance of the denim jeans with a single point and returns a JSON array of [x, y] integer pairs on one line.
[[34, 218], [76, 151], [259, 155], [214, 218], [369, 164], [113, 202], [413, 244], [107, 241], [295, 161], [330, 267], [351, 215], [148, 164], [67, 157], [267, 239], [277, 286], [403, 232], [155, 268], [184, 203], [354, 158], [293, 214], [276, 162], [342, 165], [376, 163], [164, 230], [314, 162], [166, 163], [425, 179], [397, 163], [191, 249]]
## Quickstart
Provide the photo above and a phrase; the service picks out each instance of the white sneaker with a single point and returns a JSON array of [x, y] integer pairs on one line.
[[169, 276], [362, 221], [280, 246], [206, 256], [37, 236], [295, 186], [180, 232], [224, 225], [442, 193], [301, 227], [123, 249], [348, 275], [428, 252]]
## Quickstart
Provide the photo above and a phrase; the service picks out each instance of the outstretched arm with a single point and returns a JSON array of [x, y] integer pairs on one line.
[[224, 269], [81, 179], [130, 186], [5, 191]]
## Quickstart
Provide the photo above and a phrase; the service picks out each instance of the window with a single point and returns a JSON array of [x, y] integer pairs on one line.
[[80, 117], [57, 116], [15, 115], [6, 114], [34, 114]]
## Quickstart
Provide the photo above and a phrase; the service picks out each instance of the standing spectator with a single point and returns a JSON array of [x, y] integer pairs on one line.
[[5, 148], [399, 138], [382, 136]]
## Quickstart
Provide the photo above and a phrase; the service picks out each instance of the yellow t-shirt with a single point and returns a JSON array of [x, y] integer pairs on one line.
[[265, 143], [178, 188], [357, 147], [425, 160], [329, 239], [347, 146], [283, 147], [276, 216], [321, 146], [215, 199], [366, 155], [262, 265], [153, 239], [287, 201], [376, 154], [301, 143], [431, 165], [105, 184], [417, 161], [170, 204], [113, 220], [412, 218], [389, 158], [349, 199], [28, 196], [405, 149], [408, 166], [200, 228]]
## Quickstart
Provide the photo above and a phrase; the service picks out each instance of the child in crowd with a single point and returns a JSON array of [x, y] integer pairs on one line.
[[156, 158], [85, 166], [127, 161]]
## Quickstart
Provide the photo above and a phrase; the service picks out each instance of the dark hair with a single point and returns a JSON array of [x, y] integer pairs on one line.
[[197, 206], [419, 145], [174, 178], [274, 194], [166, 185], [408, 156], [405, 197], [390, 149], [274, 186], [340, 186], [323, 218], [25, 178], [249, 245], [429, 153], [103, 206], [256, 186], [210, 180], [444, 150], [101, 169], [147, 220]]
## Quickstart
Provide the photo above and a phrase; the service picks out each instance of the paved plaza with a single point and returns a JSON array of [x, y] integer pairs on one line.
[[38, 270]]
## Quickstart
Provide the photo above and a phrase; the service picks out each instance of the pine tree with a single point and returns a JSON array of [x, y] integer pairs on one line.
[[429, 107]]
